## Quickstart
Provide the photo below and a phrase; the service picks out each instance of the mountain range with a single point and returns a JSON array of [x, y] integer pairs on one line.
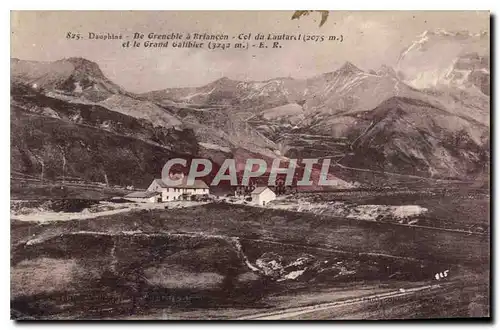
[[427, 118]]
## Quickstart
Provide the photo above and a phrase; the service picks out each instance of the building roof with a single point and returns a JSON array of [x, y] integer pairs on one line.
[[142, 194], [260, 190], [198, 184]]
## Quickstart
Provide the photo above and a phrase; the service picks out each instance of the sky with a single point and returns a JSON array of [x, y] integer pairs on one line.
[[371, 39]]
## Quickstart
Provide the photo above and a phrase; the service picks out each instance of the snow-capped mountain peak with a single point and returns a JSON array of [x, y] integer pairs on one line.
[[444, 57]]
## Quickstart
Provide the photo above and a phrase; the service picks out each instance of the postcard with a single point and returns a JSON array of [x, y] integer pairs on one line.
[[250, 165]]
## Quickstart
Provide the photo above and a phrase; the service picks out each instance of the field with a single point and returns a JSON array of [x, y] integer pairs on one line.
[[456, 208], [223, 261], [34, 190]]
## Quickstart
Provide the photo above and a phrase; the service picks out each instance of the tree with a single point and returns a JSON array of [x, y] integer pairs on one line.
[[63, 163], [40, 160]]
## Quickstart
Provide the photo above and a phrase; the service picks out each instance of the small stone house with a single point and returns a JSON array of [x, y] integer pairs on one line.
[[262, 195], [178, 192]]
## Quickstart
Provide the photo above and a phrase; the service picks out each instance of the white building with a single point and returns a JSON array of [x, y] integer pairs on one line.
[[144, 197], [172, 193], [262, 195]]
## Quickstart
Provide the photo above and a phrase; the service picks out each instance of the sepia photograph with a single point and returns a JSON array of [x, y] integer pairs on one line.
[[250, 165]]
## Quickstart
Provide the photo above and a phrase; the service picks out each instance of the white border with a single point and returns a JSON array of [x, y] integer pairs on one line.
[[255, 5]]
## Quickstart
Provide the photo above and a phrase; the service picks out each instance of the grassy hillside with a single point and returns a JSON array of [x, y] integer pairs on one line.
[[218, 257], [89, 142]]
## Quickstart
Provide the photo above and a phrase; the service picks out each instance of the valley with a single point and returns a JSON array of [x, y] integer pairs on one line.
[[229, 261]]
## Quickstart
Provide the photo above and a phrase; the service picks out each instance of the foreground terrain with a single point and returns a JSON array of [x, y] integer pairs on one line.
[[222, 260]]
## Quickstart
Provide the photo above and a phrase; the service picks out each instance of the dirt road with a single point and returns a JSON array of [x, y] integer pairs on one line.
[[337, 308]]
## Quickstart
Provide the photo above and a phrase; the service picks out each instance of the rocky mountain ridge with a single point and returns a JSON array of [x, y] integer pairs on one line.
[[372, 120]]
